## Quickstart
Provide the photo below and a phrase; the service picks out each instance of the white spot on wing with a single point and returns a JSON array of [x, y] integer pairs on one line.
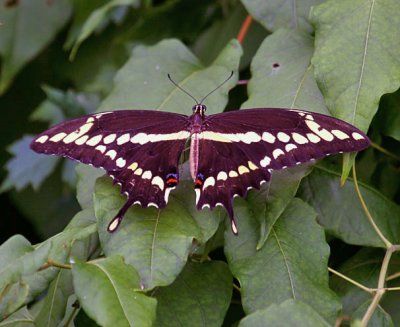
[[233, 173], [82, 140], [313, 138], [167, 191], [123, 139], [143, 138], [101, 148], [121, 162], [222, 176], [339, 134], [309, 117], [42, 139], [210, 181], [58, 137], [243, 170], [77, 134], [133, 166], [277, 152], [357, 136], [147, 174], [138, 171], [268, 137], [94, 140], [265, 162], [198, 193], [299, 139], [152, 204], [157, 180], [283, 137], [112, 154], [290, 147], [321, 132], [109, 138]]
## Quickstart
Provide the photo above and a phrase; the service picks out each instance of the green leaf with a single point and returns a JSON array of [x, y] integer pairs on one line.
[[292, 84], [292, 264], [269, 203], [19, 280], [275, 14], [364, 268], [107, 291], [97, 18], [142, 82], [82, 10], [209, 44], [87, 177], [356, 56], [83, 227], [340, 212], [55, 302], [26, 29], [18, 258], [20, 318], [156, 242], [288, 313], [388, 117], [200, 296], [26, 167]]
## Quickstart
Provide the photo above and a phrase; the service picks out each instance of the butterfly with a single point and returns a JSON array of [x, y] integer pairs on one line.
[[230, 152]]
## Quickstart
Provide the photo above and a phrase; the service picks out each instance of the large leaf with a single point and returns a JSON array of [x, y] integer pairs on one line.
[[199, 296], [27, 27], [269, 203], [85, 187], [19, 280], [288, 313], [364, 267], [20, 318], [26, 167], [275, 14], [292, 264], [282, 75], [356, 56], [156, 242], [142, 82], [388, 117], [97, 18], [55, 302], [340, 212], [107, 291]]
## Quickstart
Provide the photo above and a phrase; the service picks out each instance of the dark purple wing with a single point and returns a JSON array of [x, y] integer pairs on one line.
[[139, 149], [238, 150]]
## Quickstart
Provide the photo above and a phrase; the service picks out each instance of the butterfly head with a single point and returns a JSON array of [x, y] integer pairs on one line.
[[199, 109]]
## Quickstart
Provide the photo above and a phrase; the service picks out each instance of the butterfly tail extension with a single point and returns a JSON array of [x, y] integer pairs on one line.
[[116, 221]]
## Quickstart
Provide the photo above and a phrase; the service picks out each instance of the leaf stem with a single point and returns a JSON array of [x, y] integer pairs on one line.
[[367, 213], [384, 151], [244, 28], [51, 263], [380, 291], [394, 276], [352, 281]]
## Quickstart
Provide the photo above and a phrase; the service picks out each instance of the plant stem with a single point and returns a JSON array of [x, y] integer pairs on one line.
[[383, 150], [368, 214], [381, 285], [244, 28], [366, 289]]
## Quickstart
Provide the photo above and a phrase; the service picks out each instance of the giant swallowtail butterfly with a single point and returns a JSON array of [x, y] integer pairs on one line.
[[230, 152]]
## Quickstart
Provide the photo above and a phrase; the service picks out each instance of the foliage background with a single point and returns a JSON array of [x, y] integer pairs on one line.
[[66, 58]]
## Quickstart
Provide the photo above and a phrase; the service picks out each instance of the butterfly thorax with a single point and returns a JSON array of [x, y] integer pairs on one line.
[[196, 127]]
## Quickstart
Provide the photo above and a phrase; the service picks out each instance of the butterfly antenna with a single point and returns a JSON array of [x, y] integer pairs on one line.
[[226, 80], [182, 89]]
